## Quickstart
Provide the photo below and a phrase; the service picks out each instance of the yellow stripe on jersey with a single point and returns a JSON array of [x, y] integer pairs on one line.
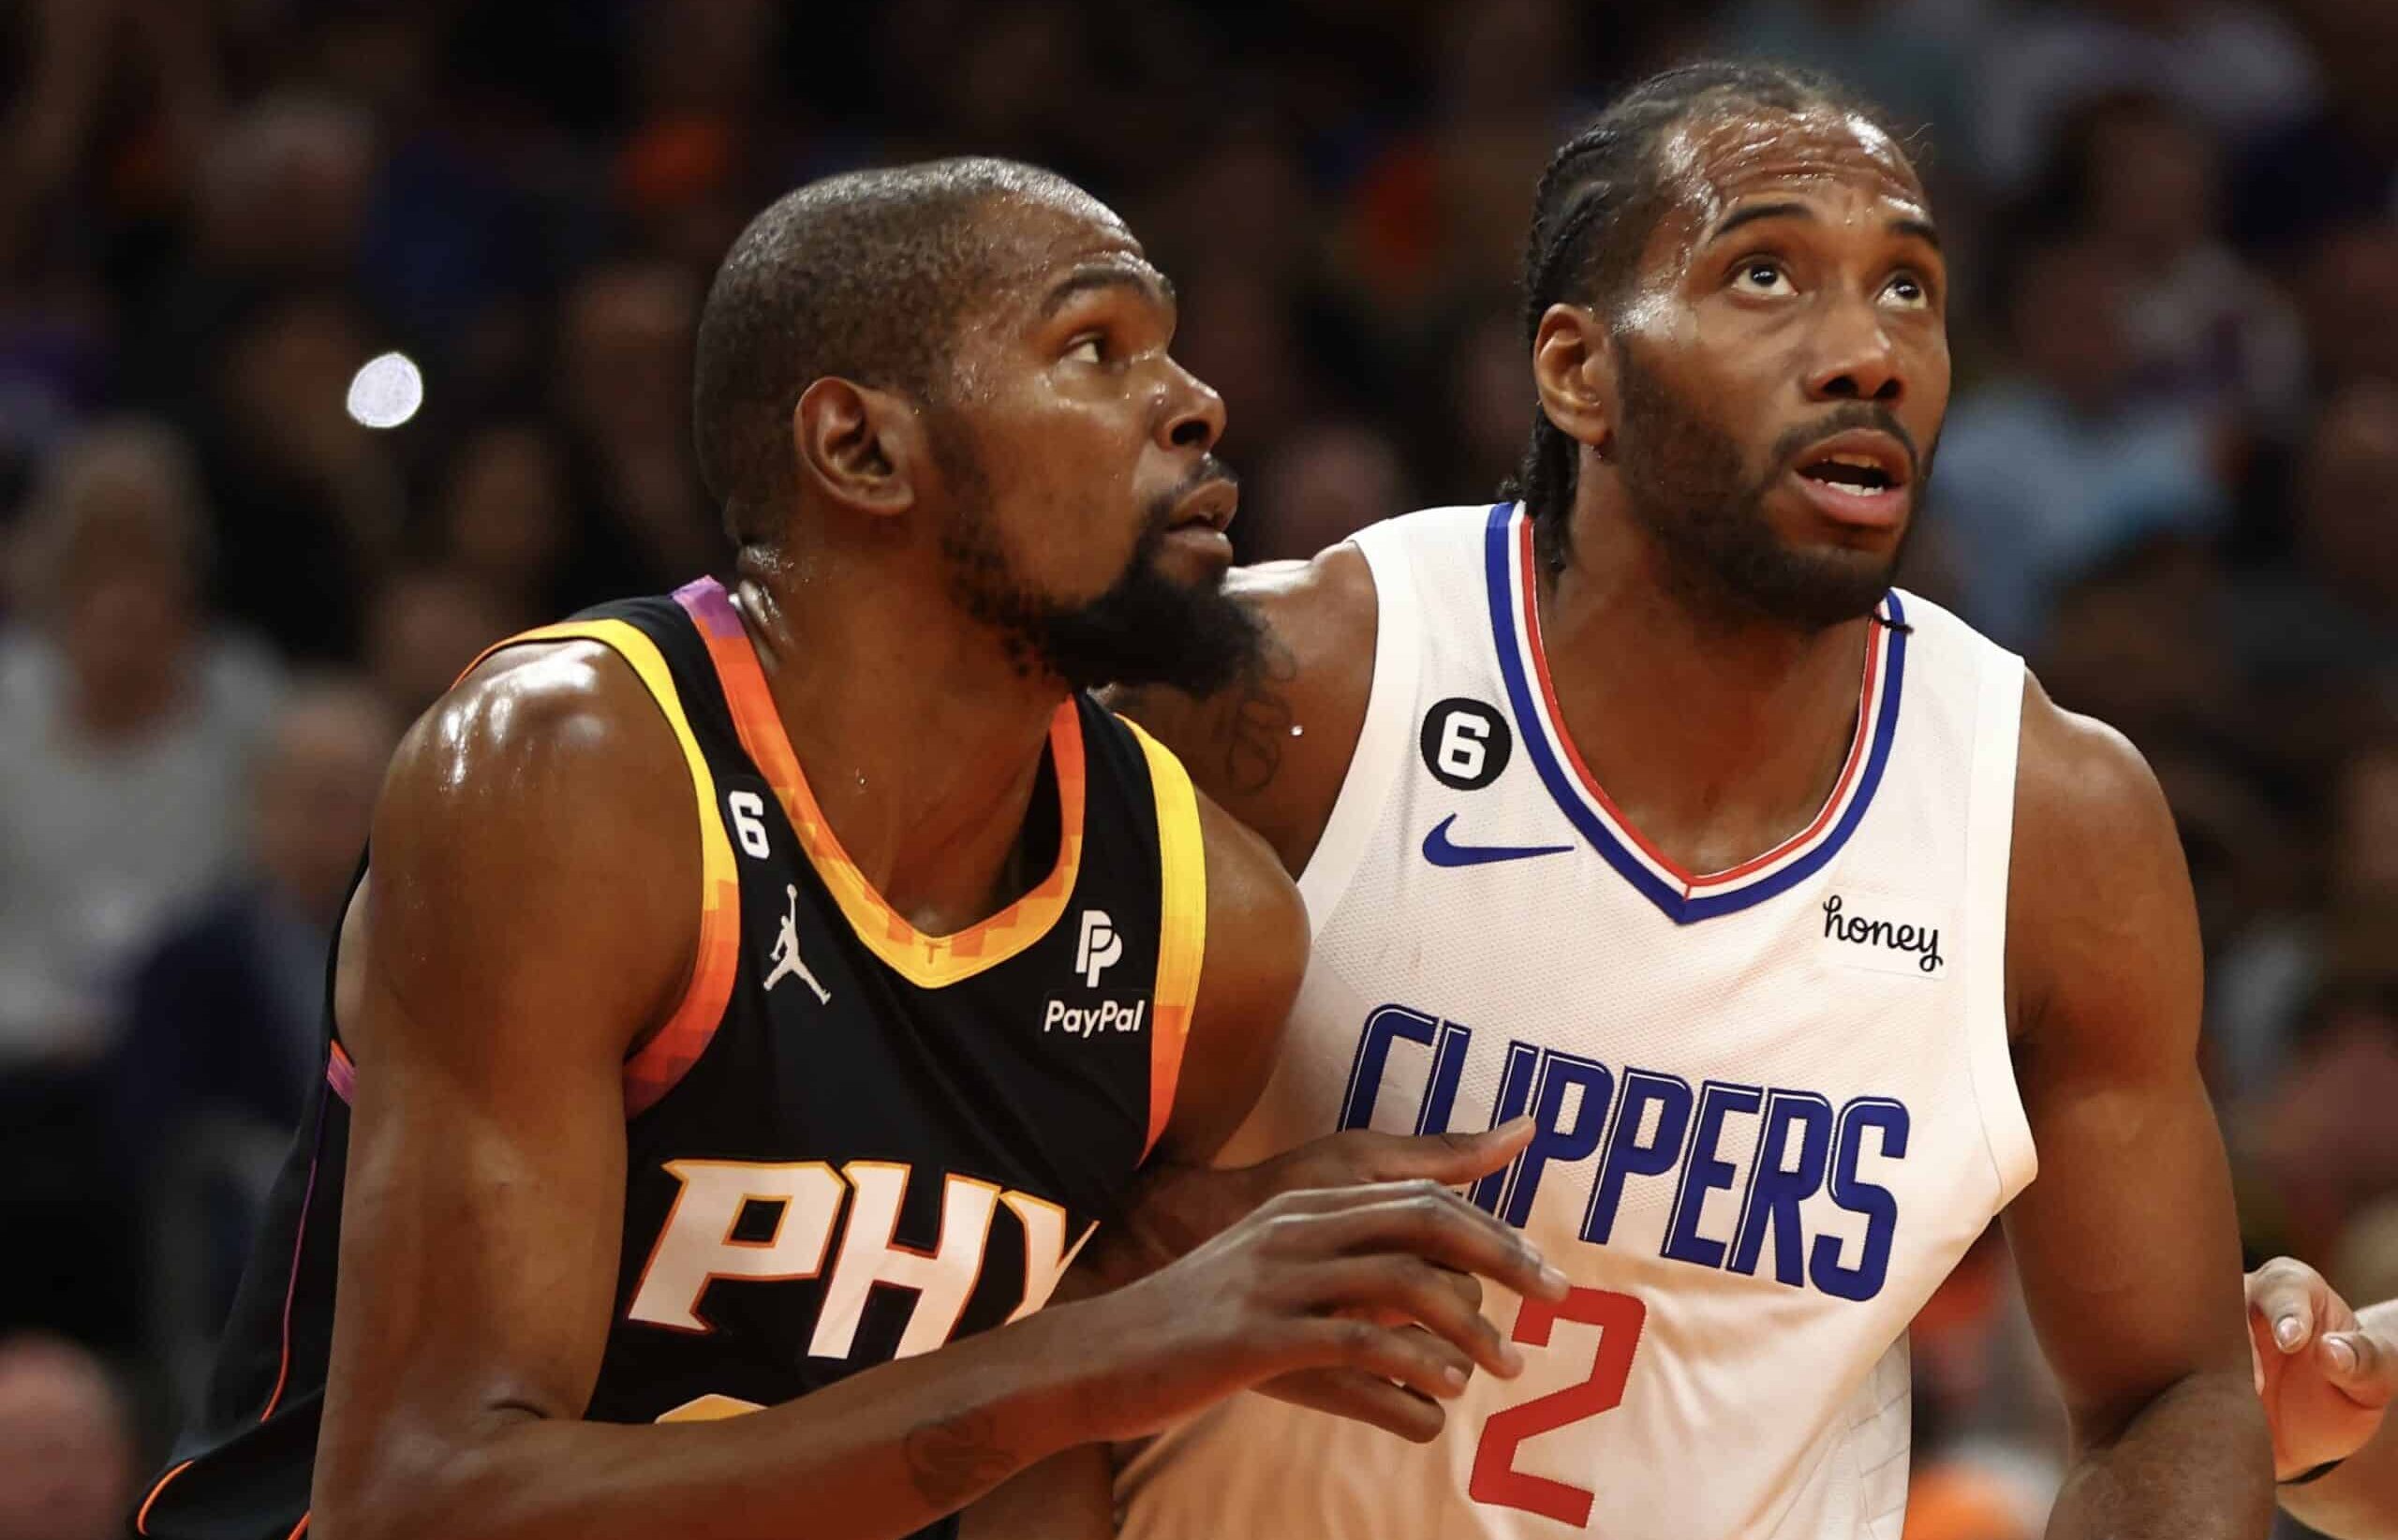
[[658, 1064], [1182, 925], [925, 960]]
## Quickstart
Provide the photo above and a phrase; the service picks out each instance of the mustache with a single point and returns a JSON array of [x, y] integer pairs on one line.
[[1841, 419]]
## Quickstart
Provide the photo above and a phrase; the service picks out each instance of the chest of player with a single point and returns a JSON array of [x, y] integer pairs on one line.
[[1776, 1077], [862, 1164]]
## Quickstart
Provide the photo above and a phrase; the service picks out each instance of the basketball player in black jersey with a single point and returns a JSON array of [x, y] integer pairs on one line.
[[758, 993]]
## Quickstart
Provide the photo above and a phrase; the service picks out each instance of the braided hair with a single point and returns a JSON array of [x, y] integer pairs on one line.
[[1598, 200]]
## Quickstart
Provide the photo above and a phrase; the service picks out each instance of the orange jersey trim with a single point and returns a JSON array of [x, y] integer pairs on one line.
[[660, 1064], [1183, 926], [142, 1519], [929, 962]]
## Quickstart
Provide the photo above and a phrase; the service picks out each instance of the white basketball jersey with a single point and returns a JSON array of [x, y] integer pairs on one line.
[[1775, 1103]]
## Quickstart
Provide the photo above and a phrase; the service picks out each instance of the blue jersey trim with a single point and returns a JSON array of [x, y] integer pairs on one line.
[[1499, 552]]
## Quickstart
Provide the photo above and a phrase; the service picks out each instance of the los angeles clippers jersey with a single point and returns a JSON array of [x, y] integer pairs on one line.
[[851, 1142], [1775, 1103]]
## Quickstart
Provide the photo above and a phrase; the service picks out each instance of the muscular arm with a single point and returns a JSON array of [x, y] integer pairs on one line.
[[2126, 1244], [486, 1171], [1272, 747], [532, 911]]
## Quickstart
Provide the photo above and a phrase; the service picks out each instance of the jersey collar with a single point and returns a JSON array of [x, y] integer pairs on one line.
[[1683, 896]]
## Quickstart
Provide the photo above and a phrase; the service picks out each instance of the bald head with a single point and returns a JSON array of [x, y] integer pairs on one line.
[[865, 277]]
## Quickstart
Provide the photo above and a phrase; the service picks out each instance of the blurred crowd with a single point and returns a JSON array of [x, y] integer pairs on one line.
[[2171, 479]]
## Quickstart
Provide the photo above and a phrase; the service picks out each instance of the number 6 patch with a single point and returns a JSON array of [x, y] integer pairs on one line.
[[1466, 743]]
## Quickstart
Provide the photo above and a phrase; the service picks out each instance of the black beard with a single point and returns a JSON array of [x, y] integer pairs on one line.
[[1145, 629], [1688, 486]]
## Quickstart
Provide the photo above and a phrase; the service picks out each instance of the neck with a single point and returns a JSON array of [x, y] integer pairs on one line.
[[1716, 737], [920, 739]]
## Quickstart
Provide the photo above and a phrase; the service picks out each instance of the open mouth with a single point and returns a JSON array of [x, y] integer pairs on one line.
[[1858, 478], [1850, 473]]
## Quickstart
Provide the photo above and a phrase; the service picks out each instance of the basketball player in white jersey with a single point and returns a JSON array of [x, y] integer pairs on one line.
[[1802, 924], [2327, 1373]]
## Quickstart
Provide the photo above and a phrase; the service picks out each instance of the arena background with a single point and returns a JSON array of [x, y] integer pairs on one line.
[[339, 337]]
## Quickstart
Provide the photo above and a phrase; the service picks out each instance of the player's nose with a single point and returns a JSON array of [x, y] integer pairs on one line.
[[1193, 417], [1855, 359]]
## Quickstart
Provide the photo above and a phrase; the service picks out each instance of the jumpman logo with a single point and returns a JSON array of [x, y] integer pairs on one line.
[[785, 952]]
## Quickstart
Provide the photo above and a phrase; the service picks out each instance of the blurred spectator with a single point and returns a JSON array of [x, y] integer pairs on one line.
[[1324, 483], [2043, 474], [425, 627], [624, 378], [2349, 293], [310, 501], [66, 1453], [2339, 166], [125, 723], [1907, 57], [2236, 66], [503, 519], [2135, 176], [225, 1032], [226, 1011], [2334, 613]]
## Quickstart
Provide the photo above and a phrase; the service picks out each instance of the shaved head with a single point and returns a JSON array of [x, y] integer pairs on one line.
[[867, 277]]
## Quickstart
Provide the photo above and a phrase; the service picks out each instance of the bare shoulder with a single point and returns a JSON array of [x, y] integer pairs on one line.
[[1273, 747], [538, 814], [2099, 906], [2086, 802], [1256, 955], [1257, 924]]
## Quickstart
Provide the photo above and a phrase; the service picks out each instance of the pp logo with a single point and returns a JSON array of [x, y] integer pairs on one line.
[[1099, 947]]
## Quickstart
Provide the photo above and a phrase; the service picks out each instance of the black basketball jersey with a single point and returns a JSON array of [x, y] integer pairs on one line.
[[851, 1142]]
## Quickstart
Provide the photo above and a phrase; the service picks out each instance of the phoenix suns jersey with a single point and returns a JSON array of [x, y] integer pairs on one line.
[[1775, 1103], [851, 1142]]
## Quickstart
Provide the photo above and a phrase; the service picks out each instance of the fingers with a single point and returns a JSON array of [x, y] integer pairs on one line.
[[1425, 1364], [2291, 1299], [1413, 1290], [1427, 1219], [1361, 1397], [1360, 1157], [2361, 1366], [1453, 1160]]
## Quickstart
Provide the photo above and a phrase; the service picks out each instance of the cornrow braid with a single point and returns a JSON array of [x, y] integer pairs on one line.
[[1598, 200]]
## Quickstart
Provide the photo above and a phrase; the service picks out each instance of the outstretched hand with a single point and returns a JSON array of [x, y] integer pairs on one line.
[[2326, 1380]]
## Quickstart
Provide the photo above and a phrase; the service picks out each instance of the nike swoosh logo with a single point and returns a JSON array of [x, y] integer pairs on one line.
[[1439, 849]]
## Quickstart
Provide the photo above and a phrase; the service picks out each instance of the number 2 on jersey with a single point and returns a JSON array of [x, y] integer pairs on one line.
[[1496, 1481]]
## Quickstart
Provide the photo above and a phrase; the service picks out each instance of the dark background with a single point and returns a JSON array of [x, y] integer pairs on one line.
[[2170, 478]]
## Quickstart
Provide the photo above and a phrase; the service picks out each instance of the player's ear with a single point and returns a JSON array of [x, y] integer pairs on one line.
[[1574, 370], [862, 447]]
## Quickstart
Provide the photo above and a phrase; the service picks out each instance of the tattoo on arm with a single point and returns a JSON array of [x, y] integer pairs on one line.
[[952, 1462]]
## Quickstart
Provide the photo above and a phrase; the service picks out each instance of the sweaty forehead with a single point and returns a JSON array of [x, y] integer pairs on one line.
[[1720, 157], [1035, 237]]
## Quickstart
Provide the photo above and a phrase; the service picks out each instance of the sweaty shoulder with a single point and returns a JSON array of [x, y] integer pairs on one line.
[[2102, 928], [1272, 747], [538, 815]]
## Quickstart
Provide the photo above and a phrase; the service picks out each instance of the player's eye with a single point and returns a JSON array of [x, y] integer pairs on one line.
[[1089, 348], [1762, 275], [1909, 290]]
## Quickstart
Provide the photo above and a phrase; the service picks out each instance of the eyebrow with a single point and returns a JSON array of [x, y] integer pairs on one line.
[[1918, 229], [1151, 283]]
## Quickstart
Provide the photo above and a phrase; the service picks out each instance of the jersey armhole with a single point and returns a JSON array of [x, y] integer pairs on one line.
[[1382, 740], [1183, 926], [660, 1064], [1990, 837]]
